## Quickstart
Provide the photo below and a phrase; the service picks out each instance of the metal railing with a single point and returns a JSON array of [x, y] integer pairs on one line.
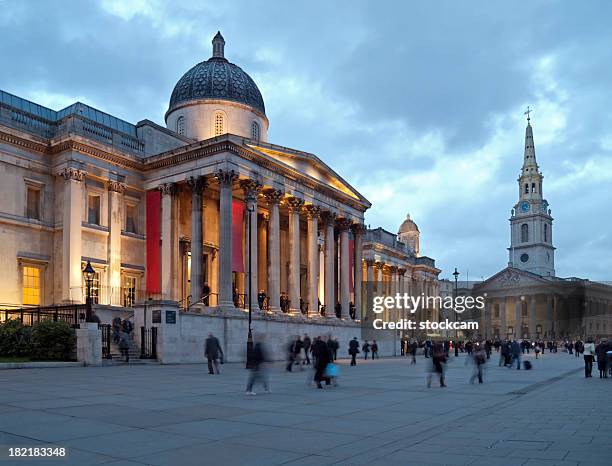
[[73, 314], [148, 343], [106, 340]]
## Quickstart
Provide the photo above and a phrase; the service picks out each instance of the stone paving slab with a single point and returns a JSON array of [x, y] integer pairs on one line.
[[380, 414]]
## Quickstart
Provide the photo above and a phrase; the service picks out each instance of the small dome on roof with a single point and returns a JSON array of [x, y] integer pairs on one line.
[[408, 226]]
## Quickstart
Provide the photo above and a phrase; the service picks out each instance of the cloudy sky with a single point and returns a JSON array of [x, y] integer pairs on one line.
[[418, 104]]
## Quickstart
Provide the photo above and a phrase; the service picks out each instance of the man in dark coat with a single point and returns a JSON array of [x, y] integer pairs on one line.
[[353, 350], [213, 351], [306, 342], [258, 369], [322, 357]]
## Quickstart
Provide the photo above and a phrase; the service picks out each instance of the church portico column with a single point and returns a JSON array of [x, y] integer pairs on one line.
[[168, 253], [344, 225], [294, 206], [532, 316], [330, 296], [226, 179], [358, 278], [251, 189], [273, 197], [518, 324], [312, 214], [503, 319], [115, 195], [71, 235], [197, 186]]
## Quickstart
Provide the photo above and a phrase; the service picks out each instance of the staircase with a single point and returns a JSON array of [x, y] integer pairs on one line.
[[134, 352]]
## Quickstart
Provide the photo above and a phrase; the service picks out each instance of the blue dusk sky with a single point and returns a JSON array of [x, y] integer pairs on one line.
[[419, 105]]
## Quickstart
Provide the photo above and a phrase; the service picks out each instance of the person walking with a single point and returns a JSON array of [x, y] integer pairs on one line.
[[413, 351], [322, 356], [602, 362], [212, 351], [366, 349], [298, 346], [438, 360], [258, 369], [354, 350], [589, 356], [306, 342], [515, 350], [479, 360], [124, 346], [374, 349]]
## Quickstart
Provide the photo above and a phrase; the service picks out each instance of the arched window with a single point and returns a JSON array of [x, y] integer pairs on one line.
[[526, 188], [180, 125], [219, 124], [255, 131], [546, 232], [533, 188], [524, 233]]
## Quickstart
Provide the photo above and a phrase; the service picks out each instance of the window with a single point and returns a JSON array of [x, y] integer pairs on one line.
[[93, 209], [131, 218], [524, 233], [255, 131], [31, 285], [533, 188], [95, 288], [526, 188], [219, 124], [129, 291], [33, 203], [180, 125], [546, 232]]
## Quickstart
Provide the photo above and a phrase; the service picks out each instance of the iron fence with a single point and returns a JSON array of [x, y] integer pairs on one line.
[[148, 343], [73, 314], [106, 341]]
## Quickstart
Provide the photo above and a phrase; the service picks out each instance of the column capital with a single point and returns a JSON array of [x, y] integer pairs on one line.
[[167, 189], [73, 174], [401, 271], [273, 196], [197, 184], [369, 262], [328, 217], [251, 189], [344, 223], [312, 211], [294, 204], [393, 268], [116, 186], [379, 265], [225, 177], [358, 228]]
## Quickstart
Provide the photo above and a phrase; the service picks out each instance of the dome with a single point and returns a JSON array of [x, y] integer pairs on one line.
[[408, 226], [217, 79]]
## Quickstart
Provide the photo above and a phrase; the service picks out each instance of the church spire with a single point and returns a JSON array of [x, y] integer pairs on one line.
[[529, 157], [218, 43]]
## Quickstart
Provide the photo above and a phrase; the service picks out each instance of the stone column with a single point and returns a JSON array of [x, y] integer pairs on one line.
[[503, 321], [294, 205], [345, 267], [330, 296], [251, 189], [518, 322], [196, 279], [115, 197], [369, 284], [168, 191], [72, 276], [532, 316], [273, 197], [226, 179], [312, 213], [358, 230], [549, 316]]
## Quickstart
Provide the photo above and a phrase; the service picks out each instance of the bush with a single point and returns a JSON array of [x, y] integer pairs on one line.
[[15, 339], [52, 341]]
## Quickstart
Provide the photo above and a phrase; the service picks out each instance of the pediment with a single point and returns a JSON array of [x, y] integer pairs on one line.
[[512, 278], [309, 165]]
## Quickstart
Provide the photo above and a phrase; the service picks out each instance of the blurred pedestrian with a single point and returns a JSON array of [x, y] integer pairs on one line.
[[374, 349], [515, 350], [602, 361], [366, 349], [437, 365], [259, 370], [479, 360], [322, 357], [413, 351], [124, 346], [354, 350], [306, 343], [213, 351], [589, 355]]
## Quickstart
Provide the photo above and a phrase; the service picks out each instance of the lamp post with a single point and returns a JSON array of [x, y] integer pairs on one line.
[[456, 275], [249, 363], [89, 273]]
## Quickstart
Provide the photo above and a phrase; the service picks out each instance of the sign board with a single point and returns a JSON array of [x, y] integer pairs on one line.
[[171, 317], [156, 317]]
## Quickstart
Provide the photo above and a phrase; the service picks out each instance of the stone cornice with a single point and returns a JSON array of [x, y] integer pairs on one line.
[[23, 142], [115, 159]]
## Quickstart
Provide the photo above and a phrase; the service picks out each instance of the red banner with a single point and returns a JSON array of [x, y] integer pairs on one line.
[[237, 233], [153, 231]]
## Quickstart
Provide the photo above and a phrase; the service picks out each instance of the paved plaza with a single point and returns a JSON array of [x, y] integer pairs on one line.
[[381, 413]]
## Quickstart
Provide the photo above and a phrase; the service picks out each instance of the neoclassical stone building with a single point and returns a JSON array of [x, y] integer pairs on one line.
[[200, 211], [527, 299], [393, 264]]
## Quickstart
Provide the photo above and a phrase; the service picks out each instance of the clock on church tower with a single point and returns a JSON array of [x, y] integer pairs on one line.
[[531, 247]]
